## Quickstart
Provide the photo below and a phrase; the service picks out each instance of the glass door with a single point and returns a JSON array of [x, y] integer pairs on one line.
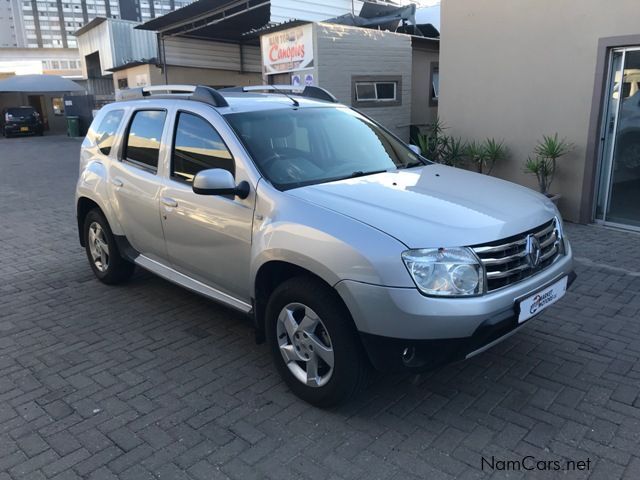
[[618, 199]]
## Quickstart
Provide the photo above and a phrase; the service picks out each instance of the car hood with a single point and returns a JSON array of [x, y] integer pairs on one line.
[[434, 205]]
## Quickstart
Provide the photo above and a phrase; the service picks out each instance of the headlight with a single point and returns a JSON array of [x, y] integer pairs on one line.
[[560, 229], [445, 271]]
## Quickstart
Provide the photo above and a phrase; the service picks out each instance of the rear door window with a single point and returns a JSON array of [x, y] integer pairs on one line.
[[143, 138]]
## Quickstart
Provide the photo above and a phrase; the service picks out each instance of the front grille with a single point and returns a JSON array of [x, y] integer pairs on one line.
[[506, 261]]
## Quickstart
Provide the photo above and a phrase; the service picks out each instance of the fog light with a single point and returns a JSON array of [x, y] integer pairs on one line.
[[407, 354]]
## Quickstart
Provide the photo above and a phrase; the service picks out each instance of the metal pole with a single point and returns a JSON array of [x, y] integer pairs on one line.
[[164, 61]]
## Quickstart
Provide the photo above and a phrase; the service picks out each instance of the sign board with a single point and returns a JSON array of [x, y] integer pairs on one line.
[[287, 50]]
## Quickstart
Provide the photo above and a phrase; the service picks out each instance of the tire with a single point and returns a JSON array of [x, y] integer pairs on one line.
[[107, 263], [307, 301]]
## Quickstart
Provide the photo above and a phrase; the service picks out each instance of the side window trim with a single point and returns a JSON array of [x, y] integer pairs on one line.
[[123, 153], [176, 122]]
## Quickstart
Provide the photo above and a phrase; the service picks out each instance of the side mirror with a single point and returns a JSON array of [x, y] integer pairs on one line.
[[415, 149], [217, 181]]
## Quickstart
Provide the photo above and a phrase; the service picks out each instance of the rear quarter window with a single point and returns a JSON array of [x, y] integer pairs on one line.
[[105, 133]]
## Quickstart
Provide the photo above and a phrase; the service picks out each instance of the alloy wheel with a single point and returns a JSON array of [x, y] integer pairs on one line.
[[305, 344], [98, 246]]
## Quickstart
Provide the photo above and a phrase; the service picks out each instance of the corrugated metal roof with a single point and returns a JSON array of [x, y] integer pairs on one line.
[[190, 12], [92, 24]]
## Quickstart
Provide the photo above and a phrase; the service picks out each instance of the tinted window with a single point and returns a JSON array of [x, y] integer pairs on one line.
[[145, 133], [198, 147], [105, 134]]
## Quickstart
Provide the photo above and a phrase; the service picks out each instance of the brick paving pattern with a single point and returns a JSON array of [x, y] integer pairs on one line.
[[148, 380]]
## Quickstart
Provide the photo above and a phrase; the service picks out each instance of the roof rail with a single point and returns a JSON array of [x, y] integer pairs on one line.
[[304, 91], [190, 92]]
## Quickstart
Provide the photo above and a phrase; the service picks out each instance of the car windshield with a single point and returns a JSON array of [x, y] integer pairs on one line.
[[21, 112], [304, 146]]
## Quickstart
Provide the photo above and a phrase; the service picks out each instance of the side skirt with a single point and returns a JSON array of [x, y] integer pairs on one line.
[[168, 273]]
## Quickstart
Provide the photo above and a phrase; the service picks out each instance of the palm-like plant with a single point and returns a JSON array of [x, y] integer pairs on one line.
[[543, 164], [484, 155], [453, 150], [494, 151], [441, 148]]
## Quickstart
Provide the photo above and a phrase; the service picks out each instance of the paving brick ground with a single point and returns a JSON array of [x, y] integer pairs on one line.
[[150, 381]]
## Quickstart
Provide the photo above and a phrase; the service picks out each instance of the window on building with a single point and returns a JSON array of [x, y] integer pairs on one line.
[[105, 134], [123, 83], [376, 91], [380, 91], [198, 146], [143, 140], [435, 84], [57, 103]]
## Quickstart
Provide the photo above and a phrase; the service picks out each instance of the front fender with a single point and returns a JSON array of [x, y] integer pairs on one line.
[[93, 184], [331, 245]]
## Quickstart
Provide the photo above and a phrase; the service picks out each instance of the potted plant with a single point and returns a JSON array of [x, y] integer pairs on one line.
[[485, 155], [543, 163]]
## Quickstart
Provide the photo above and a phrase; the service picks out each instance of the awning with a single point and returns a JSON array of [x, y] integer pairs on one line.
[[213, 19], [38, 83]]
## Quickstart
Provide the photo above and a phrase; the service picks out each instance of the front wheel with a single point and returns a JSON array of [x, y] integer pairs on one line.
[[314, 342], [102, 251]]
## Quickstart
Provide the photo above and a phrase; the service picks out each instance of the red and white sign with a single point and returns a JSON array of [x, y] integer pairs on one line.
[[288, 50]]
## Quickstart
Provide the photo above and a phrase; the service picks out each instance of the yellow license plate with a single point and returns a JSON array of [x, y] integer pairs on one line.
[[24, 129]]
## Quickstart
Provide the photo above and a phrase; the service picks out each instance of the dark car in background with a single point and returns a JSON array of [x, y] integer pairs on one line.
[[21, 121]]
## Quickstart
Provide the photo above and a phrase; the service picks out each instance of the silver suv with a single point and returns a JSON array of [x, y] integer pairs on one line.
[[346, 247]]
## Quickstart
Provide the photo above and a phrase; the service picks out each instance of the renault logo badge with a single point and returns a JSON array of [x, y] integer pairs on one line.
[[533, 250]]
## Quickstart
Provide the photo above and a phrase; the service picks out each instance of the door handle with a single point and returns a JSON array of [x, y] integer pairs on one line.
[[117, 182], [169, 202]]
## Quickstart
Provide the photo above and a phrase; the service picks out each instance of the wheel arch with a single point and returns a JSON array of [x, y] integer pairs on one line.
[[273, 273], [83, 207]]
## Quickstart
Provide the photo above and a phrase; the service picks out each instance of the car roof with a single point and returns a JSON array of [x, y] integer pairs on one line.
[[251, 101], [237, 101]]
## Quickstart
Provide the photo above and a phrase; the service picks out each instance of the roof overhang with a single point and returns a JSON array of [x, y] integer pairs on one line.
[[221, 20], [88, 26], [134, 63]]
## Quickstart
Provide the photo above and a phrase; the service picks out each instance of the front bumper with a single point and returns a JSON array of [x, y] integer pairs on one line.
[[401, 328], [18, 129], [393, 354]]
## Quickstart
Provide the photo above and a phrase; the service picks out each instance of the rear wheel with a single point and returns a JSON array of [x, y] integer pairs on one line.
[[314, 342], [102, 251]]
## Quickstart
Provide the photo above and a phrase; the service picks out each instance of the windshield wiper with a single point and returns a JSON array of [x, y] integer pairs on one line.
[[360, 173]]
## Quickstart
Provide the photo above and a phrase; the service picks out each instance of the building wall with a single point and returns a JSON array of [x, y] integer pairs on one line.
[[51, 61], [342, 52], [423, 111], [185, 75], [187, 52], [7, 25], [57, 124], [51, 24], [98, 39], [211, 77], [117, 42], [518, 70], [311, 10]]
